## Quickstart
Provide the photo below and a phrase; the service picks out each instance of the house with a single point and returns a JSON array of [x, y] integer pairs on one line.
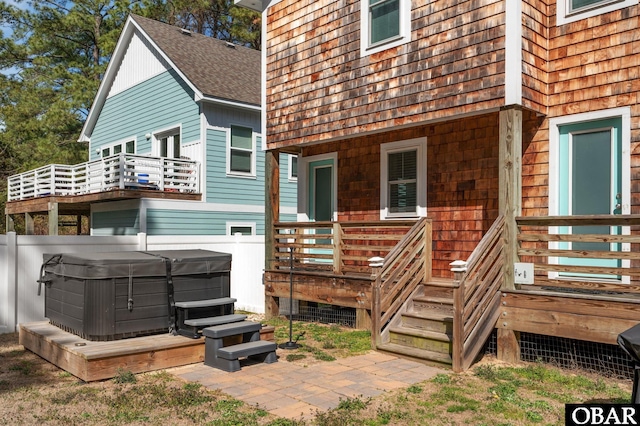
[[175, 144], [485, 154]]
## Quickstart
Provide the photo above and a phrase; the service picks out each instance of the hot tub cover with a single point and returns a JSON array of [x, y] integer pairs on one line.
[[107, 265]]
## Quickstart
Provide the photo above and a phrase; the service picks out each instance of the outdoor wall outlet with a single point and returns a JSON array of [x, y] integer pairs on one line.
[[523, 273]]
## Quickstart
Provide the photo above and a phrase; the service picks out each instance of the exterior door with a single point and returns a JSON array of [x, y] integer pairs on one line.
[[590, 183], [321, 199]]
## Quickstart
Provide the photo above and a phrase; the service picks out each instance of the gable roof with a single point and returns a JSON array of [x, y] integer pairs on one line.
[[215, 69]]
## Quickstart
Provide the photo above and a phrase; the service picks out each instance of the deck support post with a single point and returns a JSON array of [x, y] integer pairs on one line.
[[10, 226], [53, 218], [29, 227], [271, 216], [508, 345], [510, 205], [363, 319]]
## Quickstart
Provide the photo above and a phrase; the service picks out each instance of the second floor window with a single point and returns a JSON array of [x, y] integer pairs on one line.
[[384, 20], [128, 147], [384, 24], [241, 151], [568, 11]]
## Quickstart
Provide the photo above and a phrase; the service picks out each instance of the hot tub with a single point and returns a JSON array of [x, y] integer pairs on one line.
[[109, 296]]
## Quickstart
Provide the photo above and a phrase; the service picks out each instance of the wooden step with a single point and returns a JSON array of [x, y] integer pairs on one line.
[[437, 359], [439, 282], [420, 339], [430, 321], [431, 303], [207, 303], [211, 321]]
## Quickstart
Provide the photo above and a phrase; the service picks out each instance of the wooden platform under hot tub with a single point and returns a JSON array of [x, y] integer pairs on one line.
[[90, 360]]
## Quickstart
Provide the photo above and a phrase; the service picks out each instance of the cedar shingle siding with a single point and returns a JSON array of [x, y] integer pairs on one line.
[[319, 87], [447, 84]]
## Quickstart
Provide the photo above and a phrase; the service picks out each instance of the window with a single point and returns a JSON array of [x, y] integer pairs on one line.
[[128, 146], [403, 179], [384, 24], [293, 167], [242, 228], [241, 156], [384, 20], [574, 10]]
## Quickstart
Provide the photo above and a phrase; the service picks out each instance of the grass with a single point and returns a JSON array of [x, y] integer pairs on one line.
[[35, 392], [320, 342]]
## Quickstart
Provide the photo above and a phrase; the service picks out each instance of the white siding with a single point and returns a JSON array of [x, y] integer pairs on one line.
[[140, 63]]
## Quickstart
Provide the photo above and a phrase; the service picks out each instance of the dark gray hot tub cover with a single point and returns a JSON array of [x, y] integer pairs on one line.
[[136, 263]]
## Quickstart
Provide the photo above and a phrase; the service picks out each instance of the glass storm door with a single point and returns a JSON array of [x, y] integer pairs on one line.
[[590, 184]]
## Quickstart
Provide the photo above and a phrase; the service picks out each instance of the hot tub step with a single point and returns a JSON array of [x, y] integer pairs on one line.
[[209, 321], [232, 329], [205, 303], [227, 359]]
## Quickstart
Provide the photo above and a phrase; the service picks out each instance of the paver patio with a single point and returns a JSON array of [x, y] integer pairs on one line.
[[296, 390]]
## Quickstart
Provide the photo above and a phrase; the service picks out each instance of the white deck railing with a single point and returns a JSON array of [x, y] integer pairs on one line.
[[121, 171]]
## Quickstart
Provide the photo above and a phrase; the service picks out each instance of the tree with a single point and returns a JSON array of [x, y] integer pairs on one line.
[[215, 18]]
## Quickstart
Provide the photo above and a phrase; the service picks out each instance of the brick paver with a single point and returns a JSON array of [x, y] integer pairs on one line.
[[299, 391]]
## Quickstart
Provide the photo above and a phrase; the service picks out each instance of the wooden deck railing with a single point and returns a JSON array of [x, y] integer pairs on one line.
[[335, 247], [582, 254], [403, 269], [476, 296], [121, 171]]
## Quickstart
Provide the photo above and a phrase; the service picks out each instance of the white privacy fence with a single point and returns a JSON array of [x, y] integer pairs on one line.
[[120, 171], [21, 257]]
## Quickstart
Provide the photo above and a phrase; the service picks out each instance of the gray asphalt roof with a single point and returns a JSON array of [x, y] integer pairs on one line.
[[217, 68]]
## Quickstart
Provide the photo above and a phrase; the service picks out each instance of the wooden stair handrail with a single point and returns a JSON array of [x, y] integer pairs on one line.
[[399, 275], [476, 296]]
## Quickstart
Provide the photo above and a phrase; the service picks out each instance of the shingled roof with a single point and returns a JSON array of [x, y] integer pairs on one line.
[[218, 69]]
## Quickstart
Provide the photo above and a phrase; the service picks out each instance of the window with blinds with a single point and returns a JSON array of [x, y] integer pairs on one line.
[[402, 181]]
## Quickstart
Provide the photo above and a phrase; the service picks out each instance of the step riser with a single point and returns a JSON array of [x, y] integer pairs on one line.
[[420, 343], [425, 359], [445, 327], [426, 306]]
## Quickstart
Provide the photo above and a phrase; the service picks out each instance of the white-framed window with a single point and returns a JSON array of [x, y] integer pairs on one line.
[[384, 24], [242, 228], [128, 146], [293, 167], [573, 10], [403, 179], [241, 152]]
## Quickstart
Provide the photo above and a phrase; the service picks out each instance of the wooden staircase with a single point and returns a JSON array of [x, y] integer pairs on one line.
[[423, 327]]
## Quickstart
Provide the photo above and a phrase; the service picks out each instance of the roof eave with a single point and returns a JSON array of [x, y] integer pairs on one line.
[[257, 5], [235, 104]]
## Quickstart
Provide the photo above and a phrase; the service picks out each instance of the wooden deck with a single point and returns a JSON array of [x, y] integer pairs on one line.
[[91, 361]]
